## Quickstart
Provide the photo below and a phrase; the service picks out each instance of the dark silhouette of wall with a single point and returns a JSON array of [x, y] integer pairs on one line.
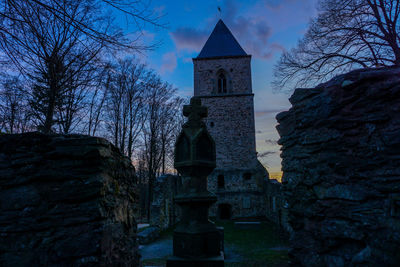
[[341, 157], [66, 200]]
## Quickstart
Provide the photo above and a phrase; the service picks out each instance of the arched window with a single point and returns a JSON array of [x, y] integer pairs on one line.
[[221, 83]]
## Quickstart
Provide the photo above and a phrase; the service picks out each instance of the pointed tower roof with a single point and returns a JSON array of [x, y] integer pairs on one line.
[[221, 43]]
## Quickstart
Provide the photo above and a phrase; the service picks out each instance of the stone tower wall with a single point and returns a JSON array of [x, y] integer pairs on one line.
[[230, 122], [230, 118], [237, 70]]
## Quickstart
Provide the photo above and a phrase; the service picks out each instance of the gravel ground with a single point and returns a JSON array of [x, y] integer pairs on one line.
[[159, 249]]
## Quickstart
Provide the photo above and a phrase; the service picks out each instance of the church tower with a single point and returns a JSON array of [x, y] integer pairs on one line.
[[222, 79]]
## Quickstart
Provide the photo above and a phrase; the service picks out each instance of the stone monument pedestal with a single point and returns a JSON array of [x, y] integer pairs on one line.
[[197, 242]]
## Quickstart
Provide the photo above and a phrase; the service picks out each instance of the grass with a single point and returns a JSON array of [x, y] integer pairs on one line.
[[263, 246], [259, 246]]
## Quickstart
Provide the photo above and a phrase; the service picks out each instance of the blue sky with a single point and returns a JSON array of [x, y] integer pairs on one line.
[[264, 28]]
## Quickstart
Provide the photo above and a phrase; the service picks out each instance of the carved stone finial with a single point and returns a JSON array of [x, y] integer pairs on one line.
[[195, 113]]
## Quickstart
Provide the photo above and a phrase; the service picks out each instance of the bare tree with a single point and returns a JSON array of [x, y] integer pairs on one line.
[[14, 116], [137, 13], [160, 106], [68, 106], [96, 98], [135, 82], [347, 34], [171, 120], [53, 42], [48, 51], [125, 108]]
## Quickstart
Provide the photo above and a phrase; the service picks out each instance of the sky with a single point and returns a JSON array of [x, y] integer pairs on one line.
[[264, 29]]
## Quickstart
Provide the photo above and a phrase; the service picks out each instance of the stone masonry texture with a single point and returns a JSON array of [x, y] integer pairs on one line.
[[341, 170], [236, 69], [230, 122], [66, 200], [164, 211]]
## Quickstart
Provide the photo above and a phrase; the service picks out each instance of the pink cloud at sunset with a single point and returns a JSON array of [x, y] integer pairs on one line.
[[254, 26], [189, 39], [169, 62]]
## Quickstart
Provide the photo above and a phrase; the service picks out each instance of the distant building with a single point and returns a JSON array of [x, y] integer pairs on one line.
[[164, 211], [222, 79]]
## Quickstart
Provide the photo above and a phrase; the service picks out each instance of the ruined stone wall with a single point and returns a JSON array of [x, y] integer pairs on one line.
[[164, 212], [276, 205], [237, 70], [340, 160], [66, 200], [243, 190]]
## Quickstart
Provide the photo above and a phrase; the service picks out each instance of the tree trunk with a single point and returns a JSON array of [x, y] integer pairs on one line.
[[50, 108]]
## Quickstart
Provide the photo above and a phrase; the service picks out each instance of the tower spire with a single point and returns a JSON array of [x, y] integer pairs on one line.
[[221, 43]]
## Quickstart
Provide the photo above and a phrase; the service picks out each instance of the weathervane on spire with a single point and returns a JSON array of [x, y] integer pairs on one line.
[[219, 10]]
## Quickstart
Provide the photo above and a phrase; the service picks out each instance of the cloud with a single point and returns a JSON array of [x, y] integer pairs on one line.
[[260, 113], [169, 62], [251, 30], [253, 26], [278, 5], [266, 154], [189, 39], [271, 142], [159, 10]]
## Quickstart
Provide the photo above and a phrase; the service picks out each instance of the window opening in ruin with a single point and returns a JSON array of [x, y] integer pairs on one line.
[[224, 211], [221, 181], [247, 176], [212, 124], [222, 84]]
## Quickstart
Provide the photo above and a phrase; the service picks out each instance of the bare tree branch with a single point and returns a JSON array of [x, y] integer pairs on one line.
[[346, 34]]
